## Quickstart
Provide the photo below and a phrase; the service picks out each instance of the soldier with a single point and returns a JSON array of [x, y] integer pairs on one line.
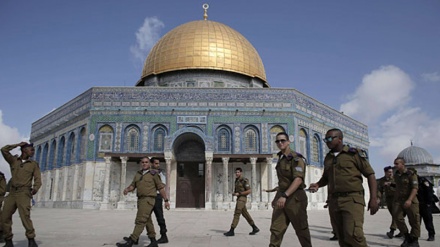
[[425, 196], [405, 202], [158, 206], [343, 170], [387, 186], [23, 171], [242, 189], [2, 197], [147, 182], [290, 202]]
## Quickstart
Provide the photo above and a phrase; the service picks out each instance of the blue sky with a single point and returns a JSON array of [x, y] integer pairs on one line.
[[377, 61]]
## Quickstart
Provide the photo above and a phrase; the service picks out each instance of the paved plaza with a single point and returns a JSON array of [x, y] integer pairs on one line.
[[194, 228]]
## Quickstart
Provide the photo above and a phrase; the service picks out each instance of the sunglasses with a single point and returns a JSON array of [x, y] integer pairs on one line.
[[280, 141], [330, 138]]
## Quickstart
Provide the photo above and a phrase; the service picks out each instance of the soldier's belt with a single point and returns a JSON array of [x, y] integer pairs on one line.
[[345, 194]]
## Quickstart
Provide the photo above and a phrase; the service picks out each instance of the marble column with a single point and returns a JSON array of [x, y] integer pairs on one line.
[[105, 194], [121, 202], [254, 204], [226, 193], [55, 185], [208, 180], [75, 183], [270, 180]]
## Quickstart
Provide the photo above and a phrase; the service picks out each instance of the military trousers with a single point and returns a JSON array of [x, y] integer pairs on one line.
[[158, 211], [390, 205], [413, 217], [1, 221], [240, 209], [143, 217], [18, 199], [347, 215], [295, 212], [426, 217]]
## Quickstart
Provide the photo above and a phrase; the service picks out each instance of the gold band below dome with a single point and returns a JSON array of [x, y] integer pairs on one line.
[[204, 44]]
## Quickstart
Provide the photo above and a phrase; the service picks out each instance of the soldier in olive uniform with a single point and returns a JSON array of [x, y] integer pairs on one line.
[[290, 202], [2, 197], [23, 172], [147, 182], [242, 189], [387, 186], [405, 202], [343, 170]]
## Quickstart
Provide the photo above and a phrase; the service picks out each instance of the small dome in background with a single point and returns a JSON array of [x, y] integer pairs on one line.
[[415, 155]]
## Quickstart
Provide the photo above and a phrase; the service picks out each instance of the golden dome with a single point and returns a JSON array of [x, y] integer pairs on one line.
[[204, 45]]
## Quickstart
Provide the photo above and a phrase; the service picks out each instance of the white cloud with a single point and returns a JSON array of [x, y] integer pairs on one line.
[[383, 102], [381, 91], [432, 77], [8, 135], [146, 37]]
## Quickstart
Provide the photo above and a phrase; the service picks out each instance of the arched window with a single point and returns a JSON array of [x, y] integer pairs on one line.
[[315, 149], [44, 157], [83, 143], [38, 155], [273, 136], [158, 139], [70, 153], [60, 156], [250, 140], [132, 139], [105, 139], [53, 146], [224, 139], [302, 141]]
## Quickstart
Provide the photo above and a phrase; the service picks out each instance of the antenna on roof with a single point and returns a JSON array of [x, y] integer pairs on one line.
[[205, 7], [411, 142]]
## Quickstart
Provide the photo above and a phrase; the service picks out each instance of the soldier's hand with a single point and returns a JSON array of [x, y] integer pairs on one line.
[[167, 205], [281, 201], [33, 192], [407, 204], [373, 206], [313, 187], [22, 144], [125, 191]]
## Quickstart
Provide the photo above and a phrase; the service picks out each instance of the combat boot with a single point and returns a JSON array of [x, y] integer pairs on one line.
[[406, 241], [390, 234], [127, 238], [230, 233], [163, 239], [153, 243], [414, 242], [254, 230], [399, 235], [129, 243], [32, 242], [9, 243]]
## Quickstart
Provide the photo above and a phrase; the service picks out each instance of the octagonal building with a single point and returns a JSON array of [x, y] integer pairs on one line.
[[203, 106]]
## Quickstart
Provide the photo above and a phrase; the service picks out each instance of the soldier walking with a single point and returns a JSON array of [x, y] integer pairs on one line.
[[290, 202], [405, 202], [242, 189], [147, 182], [387, 186], [343, 171], [23, 172]]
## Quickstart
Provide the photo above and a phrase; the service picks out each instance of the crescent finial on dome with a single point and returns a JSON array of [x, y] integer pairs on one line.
[[205, 7]]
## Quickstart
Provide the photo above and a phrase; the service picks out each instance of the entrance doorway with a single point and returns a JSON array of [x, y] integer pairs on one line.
[[189, 149], [190, 185]]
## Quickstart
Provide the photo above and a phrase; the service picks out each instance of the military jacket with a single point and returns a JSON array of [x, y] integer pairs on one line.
[[290, 166], [388, 190], [22, 171], [343, 173], [405, 183], [2, 185], [147, 184], [241, 185]]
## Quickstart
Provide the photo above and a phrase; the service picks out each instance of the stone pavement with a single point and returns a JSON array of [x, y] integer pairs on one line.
[[194, 228]]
